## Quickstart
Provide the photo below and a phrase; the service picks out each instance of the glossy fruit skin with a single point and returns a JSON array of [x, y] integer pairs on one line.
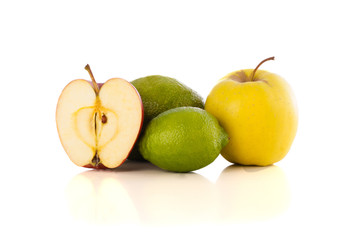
[[159, 94], [260, 117], [183, 139]]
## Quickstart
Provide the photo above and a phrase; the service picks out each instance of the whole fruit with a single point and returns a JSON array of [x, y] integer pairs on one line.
[[258, 110], [159, 94], [183, 139]]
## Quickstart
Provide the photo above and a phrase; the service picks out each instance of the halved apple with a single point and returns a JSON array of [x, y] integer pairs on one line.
[[98, 124]]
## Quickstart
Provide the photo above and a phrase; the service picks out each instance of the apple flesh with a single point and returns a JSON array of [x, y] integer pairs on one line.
[[98, 124]]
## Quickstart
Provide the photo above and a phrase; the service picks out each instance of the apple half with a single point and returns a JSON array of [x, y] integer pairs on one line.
[[98, 124]]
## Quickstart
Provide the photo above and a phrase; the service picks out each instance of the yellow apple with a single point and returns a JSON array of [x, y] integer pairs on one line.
[[258, 111]]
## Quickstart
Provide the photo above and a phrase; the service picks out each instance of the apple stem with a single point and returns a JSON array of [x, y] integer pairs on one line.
[[265, 60], [95, 85]]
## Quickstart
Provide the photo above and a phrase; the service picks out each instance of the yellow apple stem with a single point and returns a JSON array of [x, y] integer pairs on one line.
[[265, 60], [95, 85]]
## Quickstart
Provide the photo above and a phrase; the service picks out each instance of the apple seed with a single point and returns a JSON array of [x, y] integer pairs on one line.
[[104, 118]]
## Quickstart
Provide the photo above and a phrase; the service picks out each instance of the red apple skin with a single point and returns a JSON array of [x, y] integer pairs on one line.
[[101, 166], [142, 120], [99, 84]]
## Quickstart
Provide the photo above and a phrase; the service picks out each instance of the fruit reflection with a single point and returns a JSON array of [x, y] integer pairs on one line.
[[140, 192], [164, 198], [98, 197], [247, 193]]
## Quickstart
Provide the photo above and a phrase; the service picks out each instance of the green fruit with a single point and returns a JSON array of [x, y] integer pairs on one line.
[[160, 93], [183, 139]]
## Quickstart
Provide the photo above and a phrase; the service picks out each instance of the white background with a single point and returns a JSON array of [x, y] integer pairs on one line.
[[46, 44]]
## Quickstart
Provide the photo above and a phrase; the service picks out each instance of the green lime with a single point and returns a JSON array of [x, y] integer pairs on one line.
[[159, 94], [183, 139]]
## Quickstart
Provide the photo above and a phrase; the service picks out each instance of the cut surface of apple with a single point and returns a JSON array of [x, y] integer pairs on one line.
[[98, 126]]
